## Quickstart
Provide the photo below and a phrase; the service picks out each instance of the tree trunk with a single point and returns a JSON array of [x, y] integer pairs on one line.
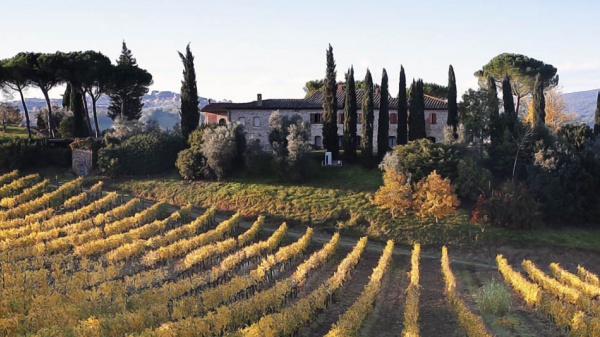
[[95, 116], [516, 117], [26, 112], [49, 115]]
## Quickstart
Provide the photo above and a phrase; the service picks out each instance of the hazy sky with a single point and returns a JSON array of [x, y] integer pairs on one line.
[[243, 48]]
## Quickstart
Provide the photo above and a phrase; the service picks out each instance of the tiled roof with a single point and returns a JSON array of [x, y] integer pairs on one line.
[[315, 101]]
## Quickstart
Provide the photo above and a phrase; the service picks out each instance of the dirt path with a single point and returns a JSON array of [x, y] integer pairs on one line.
[[387, 317], [521, 321], [436, 318], [346, 296]]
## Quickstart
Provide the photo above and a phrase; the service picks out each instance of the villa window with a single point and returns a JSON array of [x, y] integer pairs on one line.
[[318, 142], [433, 118], [393, 118], [256, 121], [242, 120], [222, 121], [316, 118]]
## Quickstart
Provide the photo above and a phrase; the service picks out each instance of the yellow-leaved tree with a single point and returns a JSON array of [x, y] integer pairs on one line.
[[395, 194], [556, 110], [435, 197]]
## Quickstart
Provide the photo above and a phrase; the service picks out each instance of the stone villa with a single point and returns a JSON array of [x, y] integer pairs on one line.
[[255, 116]]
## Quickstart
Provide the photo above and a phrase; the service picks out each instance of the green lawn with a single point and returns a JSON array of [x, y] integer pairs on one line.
[[13, 132], [340, 199]]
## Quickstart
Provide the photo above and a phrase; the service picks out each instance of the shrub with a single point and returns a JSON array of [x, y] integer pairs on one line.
[[23, 154], [395, 194], [435, 197], [140, 154], [66, 127], [566, 181], [298, 149], [494, 298], [471, 179], [258, 162], [510, 206], [219, 148], [421, 157], [190, 164], [576, 134], [289, 140]]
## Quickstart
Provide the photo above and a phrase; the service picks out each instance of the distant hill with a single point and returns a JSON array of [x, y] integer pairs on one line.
[[162, 106], [582, 103]]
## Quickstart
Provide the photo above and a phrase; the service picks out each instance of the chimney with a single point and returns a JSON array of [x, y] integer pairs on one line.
[[377, 90], [340, 87], [258, 99]]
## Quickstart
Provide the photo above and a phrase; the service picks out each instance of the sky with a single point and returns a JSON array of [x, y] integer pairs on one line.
[[242, 48]]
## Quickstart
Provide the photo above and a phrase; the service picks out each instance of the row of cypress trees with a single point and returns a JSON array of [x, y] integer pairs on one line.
[[411, 122]]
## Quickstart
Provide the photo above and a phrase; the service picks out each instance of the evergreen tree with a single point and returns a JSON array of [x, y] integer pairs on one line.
[[510, 115], [66, 100], [367, 127], [416, 115], [350, 118], [190, 116], [452, 104], [597, 116], [421, 111], [330, 136], [539, 103], [383, 127], [495, 127], [128, 85], [80, 128], [402, 110]]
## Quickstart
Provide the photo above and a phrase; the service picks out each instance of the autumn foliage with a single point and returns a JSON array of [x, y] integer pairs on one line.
[[395, 194], [432, 196], [435, 197]]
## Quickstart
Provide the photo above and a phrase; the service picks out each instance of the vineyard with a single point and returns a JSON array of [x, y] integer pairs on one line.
[[86, 262]]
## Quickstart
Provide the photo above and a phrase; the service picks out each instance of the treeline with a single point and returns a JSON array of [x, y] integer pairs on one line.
[[86, 74], [512, 152]]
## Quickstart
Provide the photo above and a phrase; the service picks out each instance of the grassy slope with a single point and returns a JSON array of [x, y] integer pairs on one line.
[[341, 198], [336, 198], [13, 132]]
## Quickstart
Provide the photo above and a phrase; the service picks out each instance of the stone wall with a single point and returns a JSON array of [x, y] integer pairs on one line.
[[256, 124]]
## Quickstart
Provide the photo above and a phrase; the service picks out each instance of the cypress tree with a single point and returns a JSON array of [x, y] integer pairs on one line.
[[330, 136], [597, 116], [452, 105], [383, 127], [539, 103], [367, 127], [509, 104], [190, 116], [412, 106], [402, 110], [66, 100], [76, 106], [350, 118], [494, 106], [421, 111], [416, 111]]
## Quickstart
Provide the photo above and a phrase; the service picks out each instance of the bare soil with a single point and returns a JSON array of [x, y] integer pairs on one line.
[[345, 296]]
